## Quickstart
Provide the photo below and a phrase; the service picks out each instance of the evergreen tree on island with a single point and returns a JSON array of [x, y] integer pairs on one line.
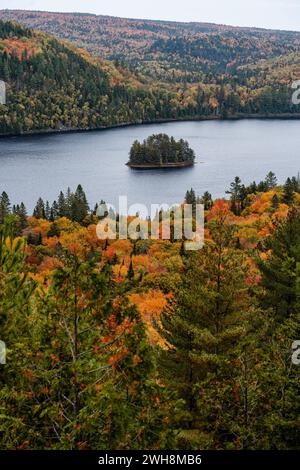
[[161, 150]]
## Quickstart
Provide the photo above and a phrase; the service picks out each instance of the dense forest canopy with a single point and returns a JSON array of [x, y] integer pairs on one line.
[[161, 150], [53, 86], [140, 344], [87, 93], [173, 46]]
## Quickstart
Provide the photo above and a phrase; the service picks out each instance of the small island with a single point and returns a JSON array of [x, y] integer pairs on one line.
[[161, 151]]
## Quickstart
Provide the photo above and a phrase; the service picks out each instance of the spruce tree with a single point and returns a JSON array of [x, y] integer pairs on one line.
[[47, 211], [130, 274], [21, 214], [5, 208], [190, 197], [279, 270], [39, 210], [207, 201], [279, 379], [288, 195], [79, 205], [238, 194], [206, 318], [271, 180], [62, 206]]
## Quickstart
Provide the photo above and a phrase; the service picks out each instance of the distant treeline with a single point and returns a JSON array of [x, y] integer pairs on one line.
[[53, 87], [240, 195], [75, 206]]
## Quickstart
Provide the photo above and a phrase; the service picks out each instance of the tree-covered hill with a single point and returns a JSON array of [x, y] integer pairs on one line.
[[53, 85], [170, 51]]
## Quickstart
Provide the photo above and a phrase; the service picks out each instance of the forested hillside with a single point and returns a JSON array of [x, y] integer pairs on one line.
[[198, 47], [171, 51], [120, 344], [223, 72], [53, 86]]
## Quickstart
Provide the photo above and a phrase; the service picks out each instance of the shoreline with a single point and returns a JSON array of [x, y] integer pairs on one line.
[[44, 132], [166, 166]]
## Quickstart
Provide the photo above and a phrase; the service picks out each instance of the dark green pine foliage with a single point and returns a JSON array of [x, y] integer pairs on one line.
[[47, 211], [79, 205], [190, 197], [15, 287], [54, 211], [130, 274], [278, 426], [289, 189], [271, 180], [21, 217], [73, 205], [238, 194], [62, 205], [203, 325], [207, 201], [279, 270], [280, 382], [5, 208], [39, 210], [161, 149]]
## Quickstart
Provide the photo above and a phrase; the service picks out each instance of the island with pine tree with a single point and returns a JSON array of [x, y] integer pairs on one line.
[[161, 151]]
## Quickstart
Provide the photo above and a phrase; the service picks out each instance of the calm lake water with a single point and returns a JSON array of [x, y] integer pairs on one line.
[[43, 165]]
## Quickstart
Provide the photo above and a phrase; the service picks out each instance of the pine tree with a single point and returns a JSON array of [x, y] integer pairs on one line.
[[279, 382], [69, 200], [47, 211], [54, 212], [62, 206], [79, 205], [15, 307], [5, 208], [279, 386], [202, 326], [238, 194], [288, 195], [295, 184], [271, 180], [130, 274], [279, 270], [190, 197], [207, 201], [20, 212], [39, 210]]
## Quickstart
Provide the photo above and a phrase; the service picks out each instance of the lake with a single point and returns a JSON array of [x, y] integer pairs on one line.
[[43, 165]]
